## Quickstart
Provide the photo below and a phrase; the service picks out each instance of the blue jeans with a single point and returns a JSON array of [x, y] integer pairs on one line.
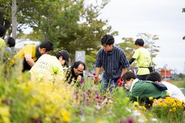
[[107, 83]]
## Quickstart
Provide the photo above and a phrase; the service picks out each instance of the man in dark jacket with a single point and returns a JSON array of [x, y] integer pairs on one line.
[[75, 73]]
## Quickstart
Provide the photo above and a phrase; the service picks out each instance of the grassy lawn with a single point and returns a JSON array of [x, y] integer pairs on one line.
[[179, 83]]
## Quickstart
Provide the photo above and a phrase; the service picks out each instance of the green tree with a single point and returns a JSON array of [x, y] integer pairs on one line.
[[91, 60], [5, 13], [77, 27], [128, 47], [70, 24]]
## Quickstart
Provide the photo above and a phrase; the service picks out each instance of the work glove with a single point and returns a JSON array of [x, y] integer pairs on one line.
[[120, 83]]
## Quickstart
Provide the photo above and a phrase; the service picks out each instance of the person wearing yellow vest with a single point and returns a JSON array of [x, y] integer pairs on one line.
[[142, 56], [49, 68], [2, 33], [30, 53]]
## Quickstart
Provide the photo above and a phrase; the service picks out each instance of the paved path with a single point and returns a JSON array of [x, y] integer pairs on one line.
[[183, 90]]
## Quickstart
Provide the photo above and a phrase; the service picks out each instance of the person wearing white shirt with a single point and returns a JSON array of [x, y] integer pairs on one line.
[[173, 90]]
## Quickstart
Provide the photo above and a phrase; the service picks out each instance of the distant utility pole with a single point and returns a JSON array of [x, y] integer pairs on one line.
[[14, 18]]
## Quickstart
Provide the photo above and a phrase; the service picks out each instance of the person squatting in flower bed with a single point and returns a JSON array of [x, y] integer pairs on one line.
[[50, 68], [173, 90], [74, 74], [31, 53], [140, 90]]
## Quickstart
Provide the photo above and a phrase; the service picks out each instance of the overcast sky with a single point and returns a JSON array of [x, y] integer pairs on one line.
[[157, 17]]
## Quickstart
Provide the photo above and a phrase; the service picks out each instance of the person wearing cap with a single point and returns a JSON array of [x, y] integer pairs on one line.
[[140, 90], [113, 61], [142, 56], [75, 73], [63, 57], [31, 53], [50, 68], [173, 90]]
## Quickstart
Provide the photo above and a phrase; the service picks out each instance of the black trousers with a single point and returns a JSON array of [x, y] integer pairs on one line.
[[142, 77], [26, 66]]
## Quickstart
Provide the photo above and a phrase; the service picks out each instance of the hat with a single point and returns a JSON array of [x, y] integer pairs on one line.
[[65, 56]]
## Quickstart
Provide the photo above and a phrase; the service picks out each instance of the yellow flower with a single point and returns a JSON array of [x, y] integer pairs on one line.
[[136, 103], [179, 103], [155, 100], [144, 107], [174, 104], [174, 109], [135, 108], [167, 93], [4, 113], [160, 100], [170, 110], [150, 98], [165, 105], [150, 115], [127, 98], [98, 121], [66, 116]]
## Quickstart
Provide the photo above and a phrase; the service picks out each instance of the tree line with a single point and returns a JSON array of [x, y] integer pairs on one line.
[[70, 24]]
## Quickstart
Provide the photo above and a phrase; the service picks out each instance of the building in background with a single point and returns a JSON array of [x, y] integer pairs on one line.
[[166, 74]]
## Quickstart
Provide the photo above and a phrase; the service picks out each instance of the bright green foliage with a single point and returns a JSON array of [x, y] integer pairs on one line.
[[22, 101], [169, 110], [5, 13], [95, 106], [69, 23], [128, 47], [91, 60]]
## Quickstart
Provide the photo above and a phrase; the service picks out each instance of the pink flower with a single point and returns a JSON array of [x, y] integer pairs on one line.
[[94, 74], [82, 81], [97, 96]]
